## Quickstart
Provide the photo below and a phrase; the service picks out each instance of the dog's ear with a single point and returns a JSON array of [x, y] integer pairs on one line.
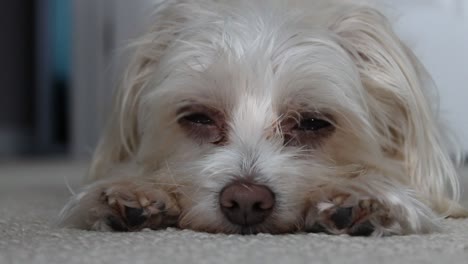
[[399, 91], [120, 140]]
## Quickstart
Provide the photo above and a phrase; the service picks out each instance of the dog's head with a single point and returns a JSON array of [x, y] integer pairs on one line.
[[249, 109]]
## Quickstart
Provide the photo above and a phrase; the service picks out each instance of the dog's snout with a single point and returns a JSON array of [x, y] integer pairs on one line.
[[246, 204]]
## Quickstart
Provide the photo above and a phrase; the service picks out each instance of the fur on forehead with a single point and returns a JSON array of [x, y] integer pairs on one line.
[[277, 59]]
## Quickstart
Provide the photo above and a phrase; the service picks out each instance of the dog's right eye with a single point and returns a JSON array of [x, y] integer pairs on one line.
[[199, 119]]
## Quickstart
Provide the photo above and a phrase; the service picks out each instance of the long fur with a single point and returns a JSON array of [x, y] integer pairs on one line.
[[254, 60]]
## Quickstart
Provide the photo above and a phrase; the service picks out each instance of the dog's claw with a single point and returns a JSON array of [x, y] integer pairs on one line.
[[130, 207]]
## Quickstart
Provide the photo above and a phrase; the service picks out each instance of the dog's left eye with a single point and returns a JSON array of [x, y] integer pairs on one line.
[[312, 124], [204, 127]]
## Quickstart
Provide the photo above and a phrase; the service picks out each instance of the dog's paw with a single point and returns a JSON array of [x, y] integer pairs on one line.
[[121, 206], [134, 207], [345, 214]]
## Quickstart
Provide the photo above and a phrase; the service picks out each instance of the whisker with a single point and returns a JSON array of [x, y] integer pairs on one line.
[[68, 185], [173, 179], [247, 187]]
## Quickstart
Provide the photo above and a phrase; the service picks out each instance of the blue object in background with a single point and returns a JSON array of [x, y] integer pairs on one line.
[[61, 28]]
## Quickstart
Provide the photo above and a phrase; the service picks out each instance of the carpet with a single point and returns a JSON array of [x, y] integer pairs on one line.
[[32, 193]]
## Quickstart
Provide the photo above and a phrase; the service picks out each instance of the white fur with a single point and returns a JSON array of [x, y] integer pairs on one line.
[[256, 61]]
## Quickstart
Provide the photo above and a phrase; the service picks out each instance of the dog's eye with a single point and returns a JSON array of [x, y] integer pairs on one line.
[[199, 119], [312, 124]]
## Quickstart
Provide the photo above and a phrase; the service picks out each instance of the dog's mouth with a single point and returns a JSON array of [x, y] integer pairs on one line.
[[243, 207]]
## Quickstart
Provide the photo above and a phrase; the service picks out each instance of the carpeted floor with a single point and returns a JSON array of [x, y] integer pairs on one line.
[[31, 194]]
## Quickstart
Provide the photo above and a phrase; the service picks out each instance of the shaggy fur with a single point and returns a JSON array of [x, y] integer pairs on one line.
[[257, 69]]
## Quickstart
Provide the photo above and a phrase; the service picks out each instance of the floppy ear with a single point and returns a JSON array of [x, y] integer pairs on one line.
[[121, 137], [399, 91]]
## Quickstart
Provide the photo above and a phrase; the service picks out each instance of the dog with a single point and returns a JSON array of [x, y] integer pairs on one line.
[[247, 117]]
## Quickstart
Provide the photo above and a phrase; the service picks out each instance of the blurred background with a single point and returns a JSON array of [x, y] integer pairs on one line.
[[61, 60]]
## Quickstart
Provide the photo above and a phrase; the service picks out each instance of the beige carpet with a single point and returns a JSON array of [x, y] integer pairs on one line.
[[31, 194]]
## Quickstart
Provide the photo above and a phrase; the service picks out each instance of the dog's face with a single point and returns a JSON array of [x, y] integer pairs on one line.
[[283, 116], [249, 112]]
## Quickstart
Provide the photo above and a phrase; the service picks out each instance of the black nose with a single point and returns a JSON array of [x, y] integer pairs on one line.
[[246, 204]]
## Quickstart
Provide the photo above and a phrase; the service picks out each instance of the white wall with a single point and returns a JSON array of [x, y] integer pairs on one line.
[[437, 31], [101, 29]]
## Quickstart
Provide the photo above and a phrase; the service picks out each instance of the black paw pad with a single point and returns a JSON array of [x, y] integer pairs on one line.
[[317, 228], [342, 217], [364, 229], [116, 224], [135, 216]]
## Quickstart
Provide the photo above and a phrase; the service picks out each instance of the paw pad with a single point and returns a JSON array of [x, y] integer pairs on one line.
[[133, 208], [135, 216], [342, 217]]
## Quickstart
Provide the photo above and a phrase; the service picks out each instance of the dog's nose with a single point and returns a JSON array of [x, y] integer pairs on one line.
[[246, 204]]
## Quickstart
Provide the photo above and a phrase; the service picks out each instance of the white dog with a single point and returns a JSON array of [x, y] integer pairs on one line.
[[270, 116]]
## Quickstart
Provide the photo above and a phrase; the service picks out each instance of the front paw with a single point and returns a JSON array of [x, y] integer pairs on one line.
[[135, 207], [122, 206], [347, 214]]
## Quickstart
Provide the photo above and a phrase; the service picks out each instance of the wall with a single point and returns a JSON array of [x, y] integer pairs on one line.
[[437, 31], [16, 77]]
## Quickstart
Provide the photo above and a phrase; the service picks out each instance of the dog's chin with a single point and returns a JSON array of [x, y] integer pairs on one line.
[[228, 228], [223, 226], [205, 215], [263, 229]]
